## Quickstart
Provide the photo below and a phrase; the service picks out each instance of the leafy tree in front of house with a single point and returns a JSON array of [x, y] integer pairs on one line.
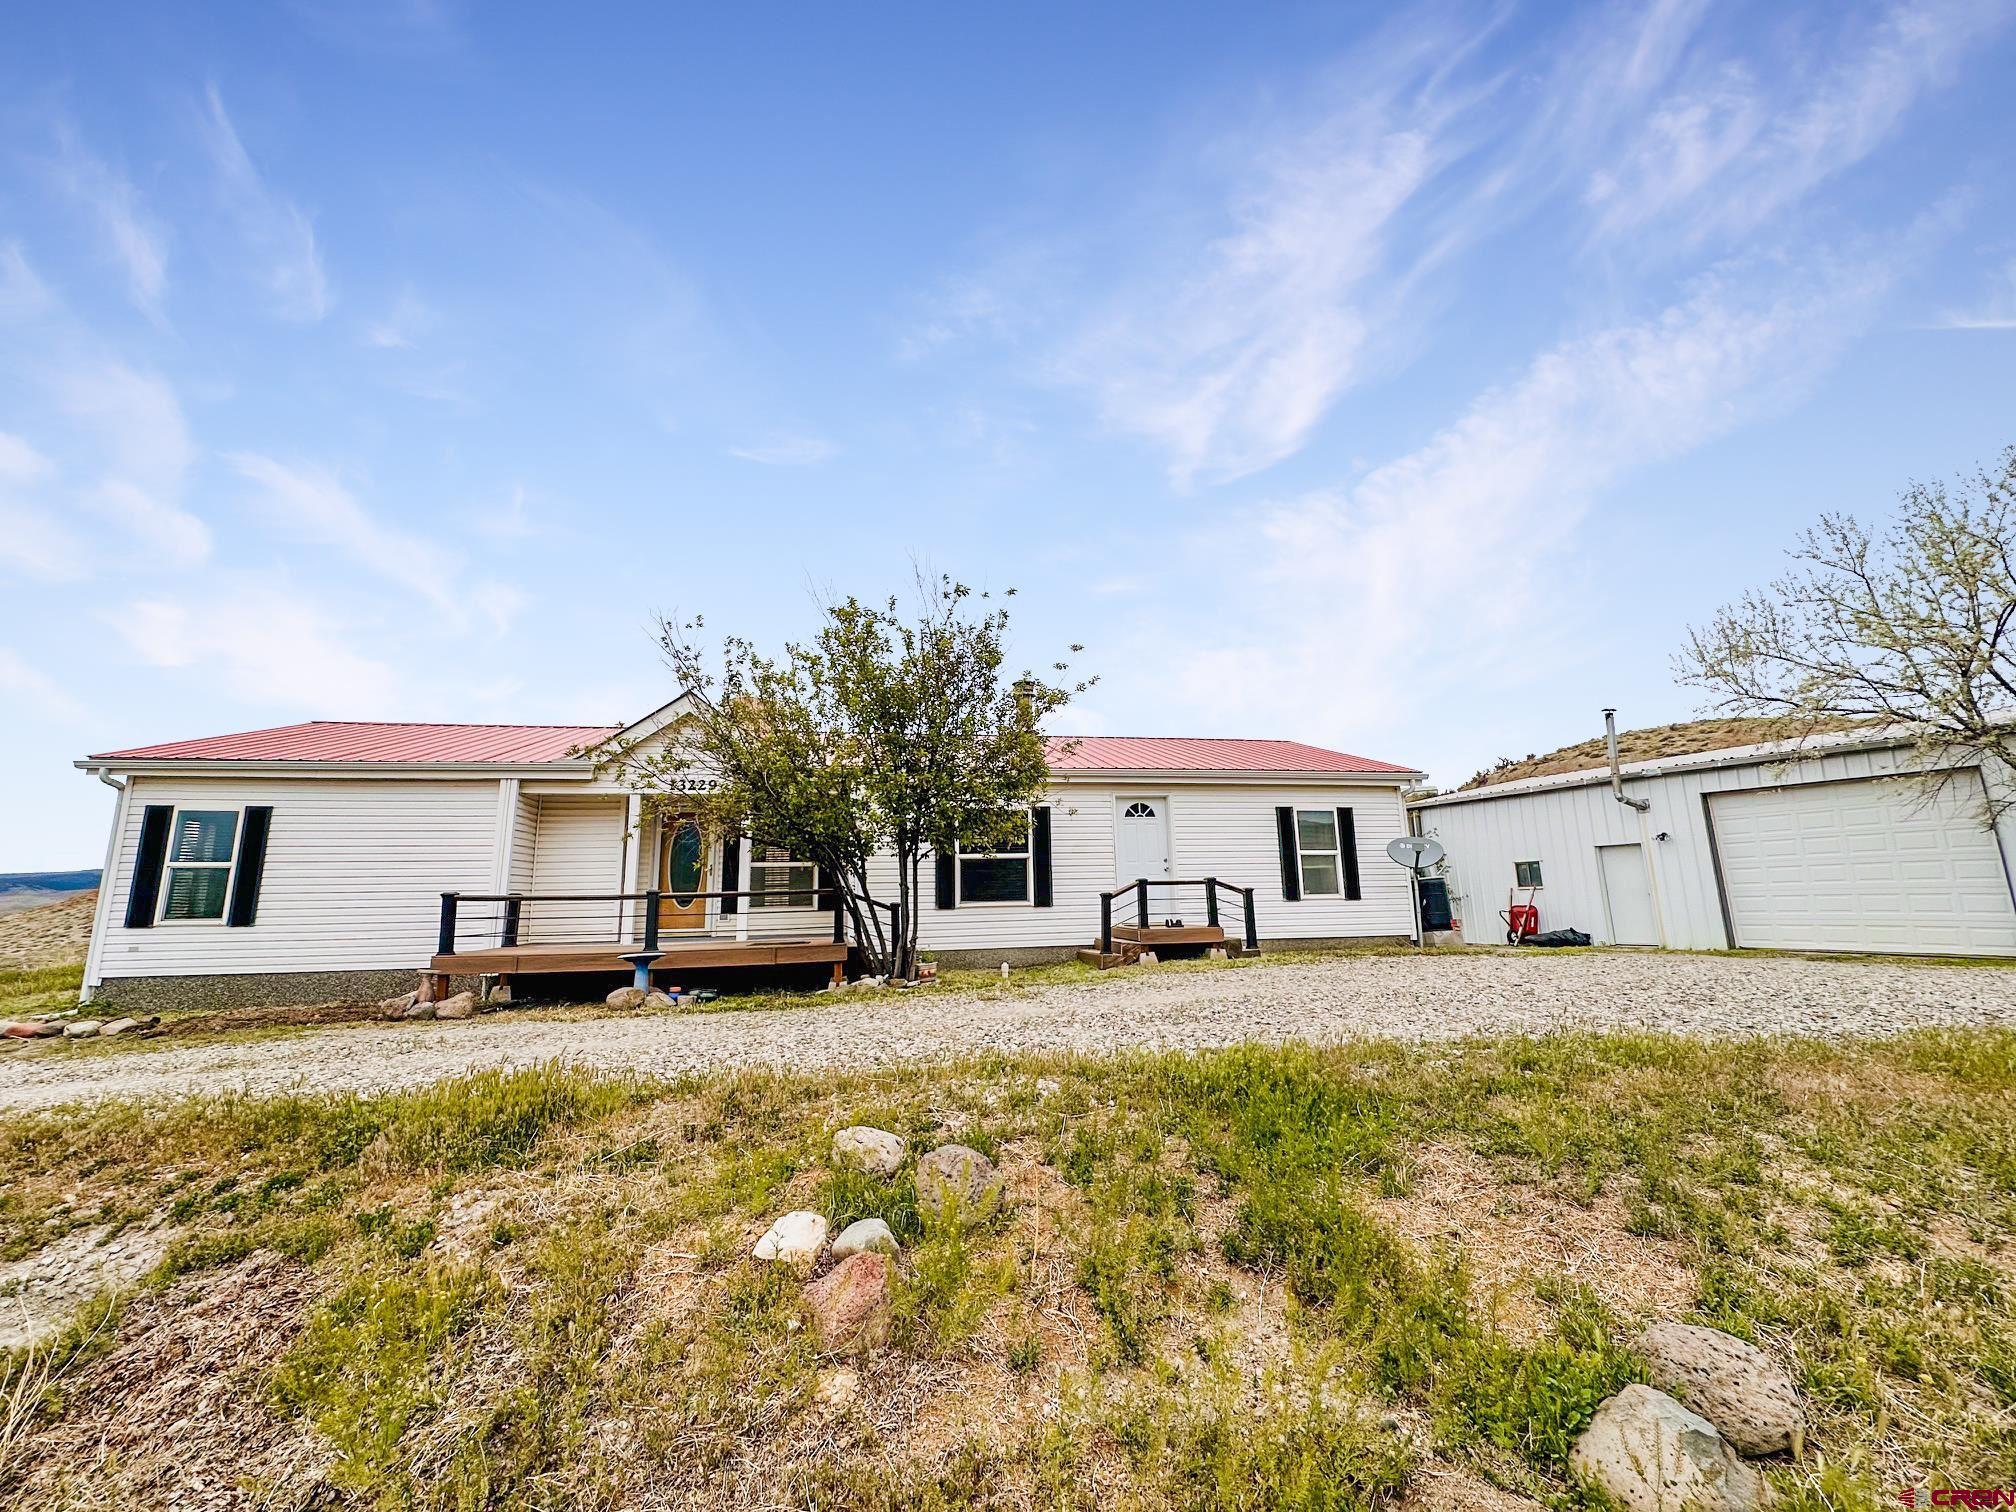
[[1912, 626], [886, 734]]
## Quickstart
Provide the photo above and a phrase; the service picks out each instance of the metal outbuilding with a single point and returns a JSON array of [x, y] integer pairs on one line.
[[1840, 842]]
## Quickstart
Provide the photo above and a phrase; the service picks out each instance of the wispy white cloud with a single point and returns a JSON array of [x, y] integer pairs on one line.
[[1305, 255], [1475, 522], [264, 644], [20, 463], [511, 523], [275, 229], [403, 325], [25, 684], [1997, 312], [140, 434], [1730, 145], [23, 295], [35, 543], [134, 239], [169, 536], [311, 504], [1230, 356], [137, 419], [786, 451]]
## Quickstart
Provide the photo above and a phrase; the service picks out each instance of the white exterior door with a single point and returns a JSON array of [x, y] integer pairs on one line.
[[1141, 845], [1627, 893], [1881, 864]]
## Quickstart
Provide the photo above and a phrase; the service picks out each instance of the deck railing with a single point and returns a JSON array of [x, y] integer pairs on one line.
[[1138, 889], [481, 921]]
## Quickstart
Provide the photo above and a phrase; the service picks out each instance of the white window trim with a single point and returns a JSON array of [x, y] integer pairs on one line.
[[752, 866], [1027, 855], [1335, 853], [229, 868]]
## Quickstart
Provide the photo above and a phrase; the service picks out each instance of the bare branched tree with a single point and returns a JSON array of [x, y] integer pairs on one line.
[[1913, 628]]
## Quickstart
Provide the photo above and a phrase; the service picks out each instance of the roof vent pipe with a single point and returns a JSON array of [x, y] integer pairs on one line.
[[1617, 771]]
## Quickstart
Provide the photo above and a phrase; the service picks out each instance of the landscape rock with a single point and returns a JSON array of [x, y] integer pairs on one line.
[[838, 1387], [876, 1151], [119, 1026], [865, 1236], [850, 1304], [460, 1006], [84, 1029], [955, 1180], [35, 1029], [395, 1007], [1745, 1393], [795, 1239], [657, 999], [499, 996], [419, 1012], [1653, 1455], [1149, 958], [626, 998]]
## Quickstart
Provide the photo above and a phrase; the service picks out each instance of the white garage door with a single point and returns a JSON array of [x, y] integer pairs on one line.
[[1875, 865]]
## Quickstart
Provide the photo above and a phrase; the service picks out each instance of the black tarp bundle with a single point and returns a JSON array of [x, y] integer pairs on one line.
[[1558, 937]]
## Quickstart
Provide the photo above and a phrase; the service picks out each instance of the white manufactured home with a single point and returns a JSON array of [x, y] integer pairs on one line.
[[1840, 842], [339, 859]]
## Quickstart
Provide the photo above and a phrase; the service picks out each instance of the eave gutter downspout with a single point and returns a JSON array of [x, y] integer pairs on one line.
[[102, 915]]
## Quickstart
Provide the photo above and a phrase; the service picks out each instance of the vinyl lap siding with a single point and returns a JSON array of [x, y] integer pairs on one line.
[[1225, 831], [353, 878], [578, 848]]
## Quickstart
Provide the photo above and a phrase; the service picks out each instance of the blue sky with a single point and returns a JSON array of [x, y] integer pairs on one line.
[[1399, 383]]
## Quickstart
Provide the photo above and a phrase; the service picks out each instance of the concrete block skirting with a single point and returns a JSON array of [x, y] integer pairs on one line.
[[160, 994], [1041, 955]]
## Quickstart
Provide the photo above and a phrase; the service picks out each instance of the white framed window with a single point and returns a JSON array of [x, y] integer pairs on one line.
[[1001, 875], [1317, 853], [1526, 874], [202, 852], [772, 870]]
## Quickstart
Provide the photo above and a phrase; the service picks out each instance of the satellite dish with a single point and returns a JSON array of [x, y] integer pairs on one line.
[[1416, 852]]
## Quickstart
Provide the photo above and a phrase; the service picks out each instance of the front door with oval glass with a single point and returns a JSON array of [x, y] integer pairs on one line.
[[1141, 848], [682, 873]]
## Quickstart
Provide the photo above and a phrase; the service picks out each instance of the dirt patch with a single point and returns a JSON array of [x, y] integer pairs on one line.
[[280, 1016], [173, 1414], [1512, 1236], [53, 934]]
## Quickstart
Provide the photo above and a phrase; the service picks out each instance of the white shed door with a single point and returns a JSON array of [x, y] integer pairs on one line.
[[1629, 896], [1876, 865]]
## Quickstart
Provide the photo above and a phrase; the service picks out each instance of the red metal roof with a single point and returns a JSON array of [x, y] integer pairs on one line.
[[1155, 753], [515, 745], [345, 740]]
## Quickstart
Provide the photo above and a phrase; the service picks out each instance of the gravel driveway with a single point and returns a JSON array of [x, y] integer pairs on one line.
[[1432, 997]]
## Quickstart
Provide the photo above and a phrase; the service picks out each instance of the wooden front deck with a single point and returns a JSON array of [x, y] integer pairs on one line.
[[1168, 934], [673, 955]]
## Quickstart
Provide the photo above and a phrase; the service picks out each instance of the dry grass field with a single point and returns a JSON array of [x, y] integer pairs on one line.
[[1375, 1275]]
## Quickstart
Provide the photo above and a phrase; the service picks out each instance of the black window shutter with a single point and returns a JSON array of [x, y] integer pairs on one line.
[[1291, 876], [1347, 845], [147, 863], [731, 873], [244, 906], [1040, 846], [947, 889]]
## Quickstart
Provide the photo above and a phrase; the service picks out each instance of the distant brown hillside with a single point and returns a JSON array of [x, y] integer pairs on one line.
[[55, 934], [1687, 739]]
